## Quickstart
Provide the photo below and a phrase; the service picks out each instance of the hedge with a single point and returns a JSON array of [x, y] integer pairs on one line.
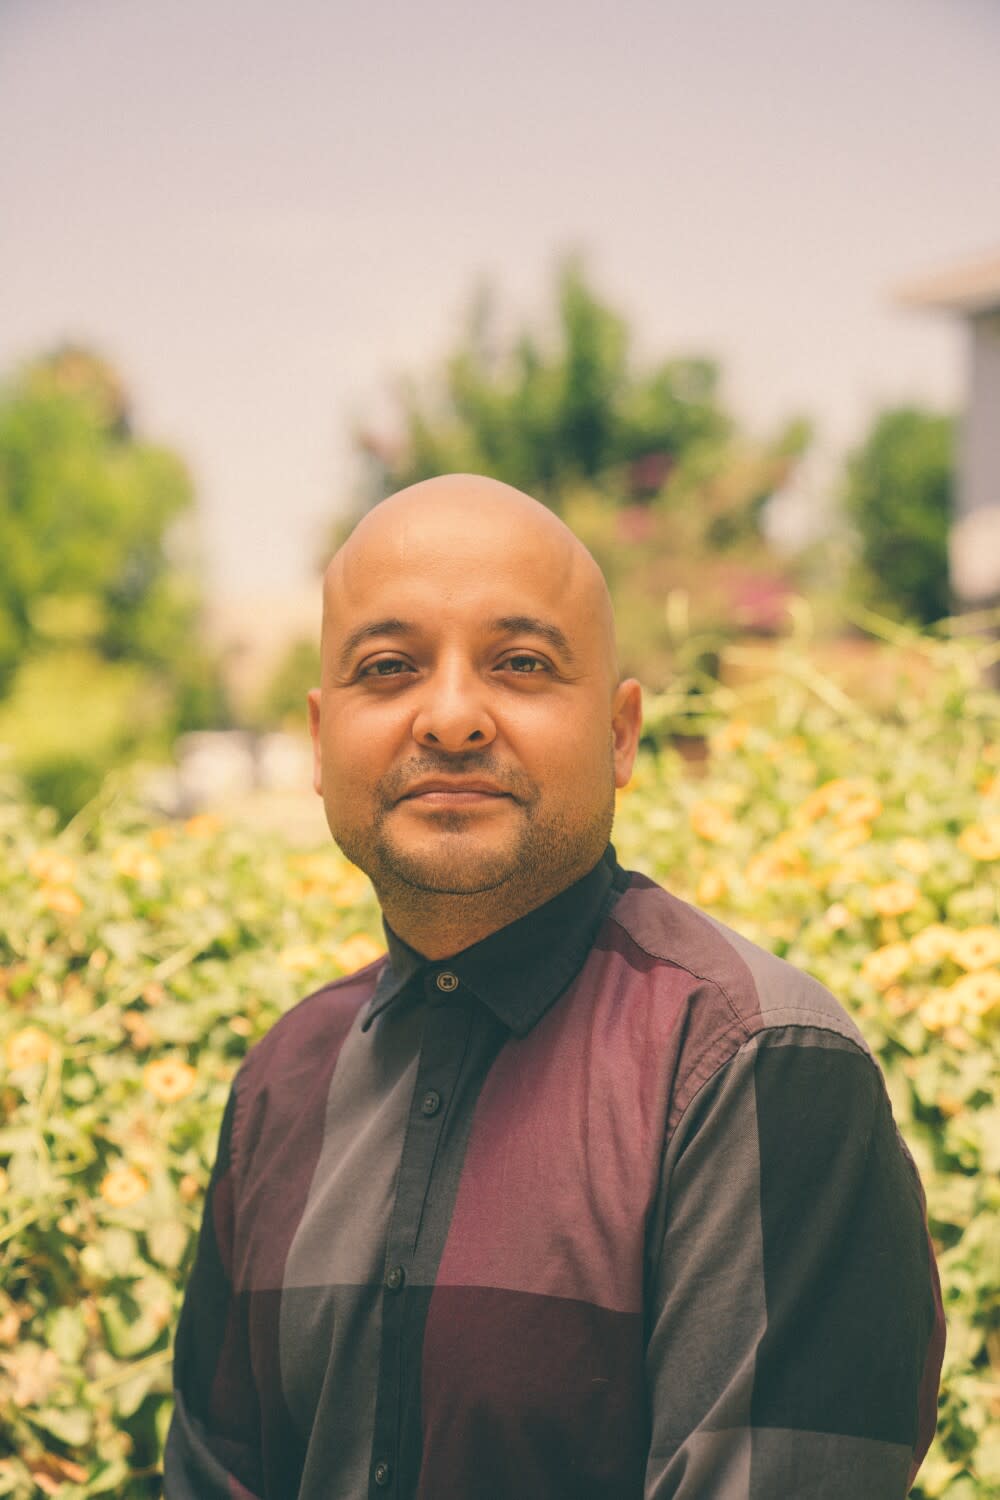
[[139, 961]]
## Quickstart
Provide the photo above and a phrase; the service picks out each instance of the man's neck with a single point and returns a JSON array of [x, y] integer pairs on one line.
[[441, 926]]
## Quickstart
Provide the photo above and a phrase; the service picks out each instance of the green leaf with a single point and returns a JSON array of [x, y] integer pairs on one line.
[[110, 1480], [72, 1425], [121, 1251], [136, 1319], [66, 1333], [167, 1240], [988, 1121], [130, 1395]]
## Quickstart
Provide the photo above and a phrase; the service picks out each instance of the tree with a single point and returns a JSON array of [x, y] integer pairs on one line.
[[92, 599], [646, 465], [898, 496], [544, 413]]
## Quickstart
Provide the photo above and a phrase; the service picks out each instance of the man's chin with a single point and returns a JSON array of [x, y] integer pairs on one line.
[[458, 866]]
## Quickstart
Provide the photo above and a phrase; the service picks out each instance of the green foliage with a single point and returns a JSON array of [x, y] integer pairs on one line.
[[283, 702], [72, 715], [644, 463], [139, 962], [546, 412], [898, 495], [88, 514]]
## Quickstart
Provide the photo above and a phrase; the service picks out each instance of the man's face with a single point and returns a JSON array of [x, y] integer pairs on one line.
[[465, 687]]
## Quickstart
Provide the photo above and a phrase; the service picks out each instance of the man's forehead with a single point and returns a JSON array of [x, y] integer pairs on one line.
[[481, 548]]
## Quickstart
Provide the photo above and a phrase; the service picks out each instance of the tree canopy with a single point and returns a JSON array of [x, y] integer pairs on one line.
[[94, 603], [643, 461], [544, 411], [898, 497]]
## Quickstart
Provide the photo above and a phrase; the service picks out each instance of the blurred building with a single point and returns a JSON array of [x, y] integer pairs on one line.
[[972, 292]]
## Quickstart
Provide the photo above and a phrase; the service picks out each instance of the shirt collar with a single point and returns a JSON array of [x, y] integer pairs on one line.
[[521, 969]]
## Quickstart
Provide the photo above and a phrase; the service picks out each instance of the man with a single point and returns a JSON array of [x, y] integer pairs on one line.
[[576, 1193]]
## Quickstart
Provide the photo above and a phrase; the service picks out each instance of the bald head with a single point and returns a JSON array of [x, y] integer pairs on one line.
[[447, 515]]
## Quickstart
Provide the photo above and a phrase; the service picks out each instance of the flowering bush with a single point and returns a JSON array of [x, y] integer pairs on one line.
[[138, 962]]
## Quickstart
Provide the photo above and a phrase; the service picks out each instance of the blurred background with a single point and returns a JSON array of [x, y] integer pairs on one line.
[[720, 284]]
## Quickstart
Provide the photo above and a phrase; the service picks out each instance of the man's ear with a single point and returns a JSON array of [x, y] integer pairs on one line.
[[313, 697], [626, 727]]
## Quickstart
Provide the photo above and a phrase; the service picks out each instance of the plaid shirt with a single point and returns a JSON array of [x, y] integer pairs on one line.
[[610, 1204]]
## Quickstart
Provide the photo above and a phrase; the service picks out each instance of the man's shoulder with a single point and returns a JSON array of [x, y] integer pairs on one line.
[[752, 989], [315, 1024]]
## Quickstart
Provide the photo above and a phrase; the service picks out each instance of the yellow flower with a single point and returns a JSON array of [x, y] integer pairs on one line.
[[301, 959], [819, 802], [711, 887], [161, 837], [188, 1188], [28, 1046], [977, 993], [837, 916], [764, 869], [848, 838], [710, 821], [122, 1186], [169, 1079], [861, 809], [981, 840], [201, 825], [62, 899], [883, 966], [899, 1002], [137, 864], [932, 944], [977, 948], [894, 898], [913, 855], [141, 1034], [356, 952], [940, 1011], [730, 737], [52, 868], [4, 1185]]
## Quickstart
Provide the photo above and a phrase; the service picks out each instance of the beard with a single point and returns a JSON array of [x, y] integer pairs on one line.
[[502, 863]]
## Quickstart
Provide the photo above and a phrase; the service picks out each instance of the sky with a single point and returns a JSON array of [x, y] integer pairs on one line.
[[263, 214]]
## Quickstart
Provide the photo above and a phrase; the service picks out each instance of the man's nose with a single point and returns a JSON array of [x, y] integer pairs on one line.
[[453, 708]]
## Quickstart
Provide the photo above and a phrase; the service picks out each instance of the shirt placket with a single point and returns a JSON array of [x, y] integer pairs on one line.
[[444, 1041]]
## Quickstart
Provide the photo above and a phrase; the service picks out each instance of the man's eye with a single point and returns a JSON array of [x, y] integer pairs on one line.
[[383, 661], [536, 661]]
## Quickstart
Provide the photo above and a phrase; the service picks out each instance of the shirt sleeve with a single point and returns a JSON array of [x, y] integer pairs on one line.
[[212, 1450], [794, 1322]]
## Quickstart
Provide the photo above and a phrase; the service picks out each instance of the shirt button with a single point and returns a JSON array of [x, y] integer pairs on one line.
[[431, 1102], [447, 980], [395, 1278], [383, 1473]]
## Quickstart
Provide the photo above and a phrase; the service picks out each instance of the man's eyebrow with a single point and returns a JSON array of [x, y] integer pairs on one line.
[[364, 633], [503, 625], [532, 625]]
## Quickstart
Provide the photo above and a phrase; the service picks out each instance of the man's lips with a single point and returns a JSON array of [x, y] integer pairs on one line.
[[448, 799], [449, 794]]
